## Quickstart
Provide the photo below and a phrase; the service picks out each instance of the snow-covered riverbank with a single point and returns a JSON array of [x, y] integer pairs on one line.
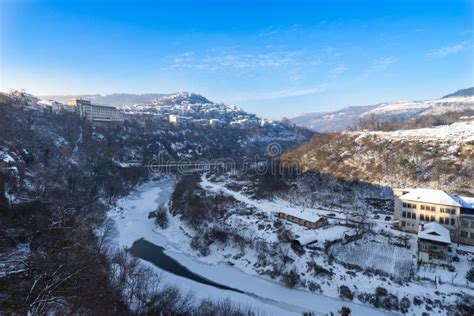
[[131, 216]]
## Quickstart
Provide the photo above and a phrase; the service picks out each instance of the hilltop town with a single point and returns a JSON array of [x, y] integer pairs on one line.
[[182, 108]]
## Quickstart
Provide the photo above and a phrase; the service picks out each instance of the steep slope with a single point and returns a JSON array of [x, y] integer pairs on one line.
[[439, 157]]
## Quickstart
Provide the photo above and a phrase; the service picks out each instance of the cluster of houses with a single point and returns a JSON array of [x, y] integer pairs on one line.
[[203, 115], [180, 113], [186, 108], [437, 217]]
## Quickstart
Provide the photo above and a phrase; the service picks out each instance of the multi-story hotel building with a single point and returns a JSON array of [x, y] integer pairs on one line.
[[420, 206], [96, 112]]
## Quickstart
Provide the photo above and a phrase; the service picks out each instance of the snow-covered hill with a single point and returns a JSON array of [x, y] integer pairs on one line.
[[412, 109], [181, 98], [332, 121], [344, 119], [439, 157], [461, 132]]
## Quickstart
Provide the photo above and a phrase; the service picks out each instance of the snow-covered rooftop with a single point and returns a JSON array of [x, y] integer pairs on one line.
[[431, 196], [467, 202], [435, 232], [307, 239], [437, 197], [303, 214]]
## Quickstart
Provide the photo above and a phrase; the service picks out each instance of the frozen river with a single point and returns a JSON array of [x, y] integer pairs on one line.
[[218, 280]]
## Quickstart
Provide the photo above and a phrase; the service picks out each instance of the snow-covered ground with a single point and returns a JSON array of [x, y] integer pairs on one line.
[[460, 132], [426, 107], [394, 261], [231, 266], [131, 217]]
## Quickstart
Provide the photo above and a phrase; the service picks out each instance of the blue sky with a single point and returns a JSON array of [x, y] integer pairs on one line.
[[273, 58]]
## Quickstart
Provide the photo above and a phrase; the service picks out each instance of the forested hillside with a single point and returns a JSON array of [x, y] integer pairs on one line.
[[438, 157]]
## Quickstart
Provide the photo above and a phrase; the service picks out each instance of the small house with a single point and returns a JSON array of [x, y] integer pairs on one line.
[[307, 219], [433, 244]]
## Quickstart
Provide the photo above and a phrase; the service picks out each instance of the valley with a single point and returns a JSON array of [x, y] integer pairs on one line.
[[269, 218]]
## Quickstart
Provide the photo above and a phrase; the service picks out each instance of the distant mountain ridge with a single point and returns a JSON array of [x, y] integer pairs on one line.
[[332, 121], [115, 99], [469, 92], [344, 119]]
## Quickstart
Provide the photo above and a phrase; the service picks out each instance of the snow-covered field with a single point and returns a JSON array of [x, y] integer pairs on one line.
[[433, 107], [131, 216], [460, 132], [395, 261]]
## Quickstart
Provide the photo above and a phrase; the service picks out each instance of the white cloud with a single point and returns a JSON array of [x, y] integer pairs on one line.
[[279, 94], [449, 50], [383, 63], [236, 61], [183, 59], [337, 71]]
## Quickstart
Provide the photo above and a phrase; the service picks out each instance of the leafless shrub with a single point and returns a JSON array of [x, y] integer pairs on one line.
[[291, 278], [161, 218]]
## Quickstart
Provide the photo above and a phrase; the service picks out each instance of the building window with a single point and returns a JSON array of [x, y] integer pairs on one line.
[[404, 204], [453, 221], [433, 219], [441, 210], [464, 223], [422, 217], [472, 235], [463, 234], [422, 207], [413, 206], [441, 220], [433, 209], [413, 215], [404, 214], [453, 211], [404, 223]]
